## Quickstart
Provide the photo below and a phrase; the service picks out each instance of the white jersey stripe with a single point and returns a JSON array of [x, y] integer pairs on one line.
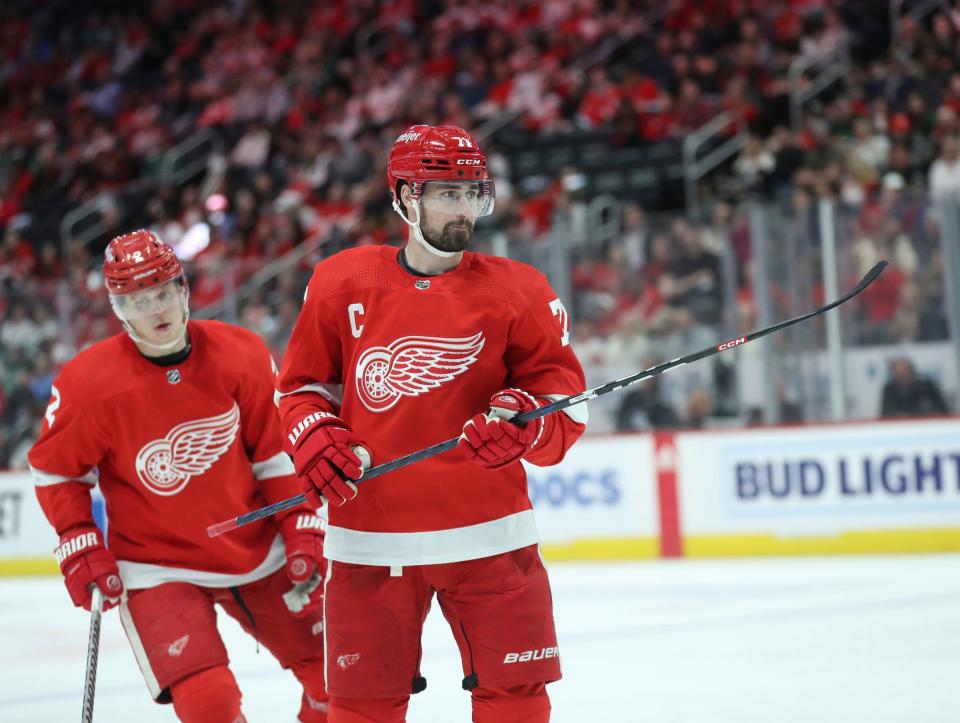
[[431, 548], [332, 392], [142, 575], [578, 412], [326, 581], [277, 466], [139, 653], [47, 479]]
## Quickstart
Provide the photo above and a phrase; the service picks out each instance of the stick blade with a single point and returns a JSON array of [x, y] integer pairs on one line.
[[221, 527], [872, 274]]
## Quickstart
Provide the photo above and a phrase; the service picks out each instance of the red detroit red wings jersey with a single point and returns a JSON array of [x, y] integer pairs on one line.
[[174, 449], [406, 360]]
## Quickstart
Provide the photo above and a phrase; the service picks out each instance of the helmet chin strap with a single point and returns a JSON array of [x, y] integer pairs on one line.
[[417, 233]]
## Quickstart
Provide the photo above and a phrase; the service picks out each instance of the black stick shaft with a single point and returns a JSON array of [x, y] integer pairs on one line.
[[93, 652], [562, 404]]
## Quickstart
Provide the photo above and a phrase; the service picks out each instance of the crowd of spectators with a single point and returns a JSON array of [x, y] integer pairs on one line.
[[303, 99], [668, 286]]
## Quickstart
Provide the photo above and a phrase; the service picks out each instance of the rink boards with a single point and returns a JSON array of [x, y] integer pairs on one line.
[[843, 488], [848, 488]]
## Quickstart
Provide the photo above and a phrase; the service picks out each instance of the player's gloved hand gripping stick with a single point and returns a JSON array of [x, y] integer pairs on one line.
[[560, 404], [493, 444]]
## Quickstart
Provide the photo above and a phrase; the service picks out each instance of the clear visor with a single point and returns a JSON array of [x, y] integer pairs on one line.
[[149, 302], [471, 199]]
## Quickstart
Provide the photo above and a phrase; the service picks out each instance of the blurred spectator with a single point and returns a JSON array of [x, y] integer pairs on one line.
[[17, 259], [600, 103], [635, 236], [698, 408], [691, 109], [49, 266], [754, 165], [788, 156], [693, 279], [679, 333], [869, 148], [908, 395], [253, 147], [881, 299], [643, 408], [19, 331], [945, 171], [824, 34]]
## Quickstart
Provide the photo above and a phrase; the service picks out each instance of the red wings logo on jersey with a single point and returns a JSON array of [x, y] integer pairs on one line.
[[166, 465], [411, 366]]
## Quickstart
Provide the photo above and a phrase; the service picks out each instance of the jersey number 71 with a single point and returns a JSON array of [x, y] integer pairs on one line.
[[556, 306]]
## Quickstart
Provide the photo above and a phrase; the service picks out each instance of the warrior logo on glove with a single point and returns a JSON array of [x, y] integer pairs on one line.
[[85, 562], [327, 456], [303, 535]]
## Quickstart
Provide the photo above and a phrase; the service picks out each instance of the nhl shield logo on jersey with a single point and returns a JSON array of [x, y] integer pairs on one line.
[[173, 376], [411, 366], [165, 466]]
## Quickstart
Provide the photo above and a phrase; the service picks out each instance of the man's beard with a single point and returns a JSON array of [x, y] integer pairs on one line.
[[454, 236]]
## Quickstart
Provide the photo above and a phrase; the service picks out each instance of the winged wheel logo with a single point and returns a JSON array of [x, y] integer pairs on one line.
[[166, 465], [411, 366]]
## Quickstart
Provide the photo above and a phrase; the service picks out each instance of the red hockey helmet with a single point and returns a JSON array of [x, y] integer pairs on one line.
[[139, 260], [425, 153]]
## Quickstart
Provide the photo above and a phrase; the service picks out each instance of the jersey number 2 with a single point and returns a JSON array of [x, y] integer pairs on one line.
[[53, 406], [556, 306]]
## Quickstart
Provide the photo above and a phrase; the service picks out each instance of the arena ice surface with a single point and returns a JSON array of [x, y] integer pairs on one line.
[[795, 640]]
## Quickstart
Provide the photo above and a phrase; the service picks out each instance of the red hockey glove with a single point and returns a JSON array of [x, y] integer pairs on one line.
[[303, 538], [84, 562], [492, 441], [327, 456]]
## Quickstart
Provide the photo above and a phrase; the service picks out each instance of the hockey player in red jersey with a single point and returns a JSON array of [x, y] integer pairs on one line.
[[393, 350], [176, 422]]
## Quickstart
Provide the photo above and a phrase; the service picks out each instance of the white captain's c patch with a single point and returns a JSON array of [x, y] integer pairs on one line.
[[166, 465]]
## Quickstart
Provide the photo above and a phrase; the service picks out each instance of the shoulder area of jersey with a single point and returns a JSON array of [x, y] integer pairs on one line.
[[215, 328], [97, 368], [516, 275], [339, 270], [352, 257], [220, 333]]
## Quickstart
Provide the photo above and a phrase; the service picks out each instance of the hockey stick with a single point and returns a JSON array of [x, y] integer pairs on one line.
[[93, 650], [381, 469]]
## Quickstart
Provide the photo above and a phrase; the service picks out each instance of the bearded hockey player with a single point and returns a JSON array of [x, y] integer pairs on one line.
[[393, 350], [175, 421]]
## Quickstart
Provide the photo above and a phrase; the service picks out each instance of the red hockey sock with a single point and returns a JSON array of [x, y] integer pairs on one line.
[[517, 704], [367, 710], [313, 710], [314, 705], [210, 696]]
